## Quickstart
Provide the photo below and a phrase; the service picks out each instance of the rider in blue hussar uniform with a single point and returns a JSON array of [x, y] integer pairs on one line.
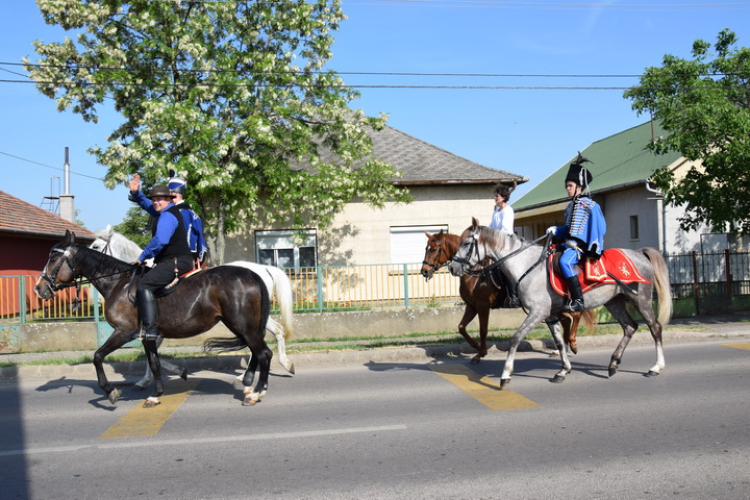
[[583, 231]]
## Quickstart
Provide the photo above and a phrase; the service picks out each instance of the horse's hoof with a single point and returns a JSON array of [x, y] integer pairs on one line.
[[475, 360], [612, 370], [251, 400], [574, 350], [504, 382], [651, 373], [114, 396], [183, 374], [151, 402], [291, 368], [557, 379]]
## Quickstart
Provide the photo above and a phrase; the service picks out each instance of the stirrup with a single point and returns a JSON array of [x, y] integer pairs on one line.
[[574, 306], [512, 303]]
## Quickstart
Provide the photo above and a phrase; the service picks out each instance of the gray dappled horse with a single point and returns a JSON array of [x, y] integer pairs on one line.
[[517, 258], [112, 243]]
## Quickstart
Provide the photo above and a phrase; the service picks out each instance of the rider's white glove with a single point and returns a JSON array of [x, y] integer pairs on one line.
[[551, 230]]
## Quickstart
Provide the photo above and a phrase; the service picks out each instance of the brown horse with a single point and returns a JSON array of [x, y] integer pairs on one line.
[[236, 296], [481, 295]]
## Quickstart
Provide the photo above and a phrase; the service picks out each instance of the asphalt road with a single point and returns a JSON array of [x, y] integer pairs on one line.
[[415, 429]]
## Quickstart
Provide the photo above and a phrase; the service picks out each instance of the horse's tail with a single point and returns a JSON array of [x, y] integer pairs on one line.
[[663, 287], [589, 317], [282, 289]]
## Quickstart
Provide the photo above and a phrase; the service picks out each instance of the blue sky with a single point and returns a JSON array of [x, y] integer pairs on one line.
[[514, 126]]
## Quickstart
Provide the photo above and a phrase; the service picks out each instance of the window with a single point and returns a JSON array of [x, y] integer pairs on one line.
[[408, 242], [281, 249], [633, 227]]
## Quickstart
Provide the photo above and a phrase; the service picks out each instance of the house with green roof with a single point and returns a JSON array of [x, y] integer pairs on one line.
[[635, 211]]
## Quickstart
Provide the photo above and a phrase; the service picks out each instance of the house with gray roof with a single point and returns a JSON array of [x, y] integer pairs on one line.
[[635, 211], [448, 191]]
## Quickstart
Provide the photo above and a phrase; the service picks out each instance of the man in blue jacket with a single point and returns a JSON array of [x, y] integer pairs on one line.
[[193, 223], [172, 257], [583, 232]]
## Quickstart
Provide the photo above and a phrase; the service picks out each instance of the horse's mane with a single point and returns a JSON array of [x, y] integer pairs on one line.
[[499, 239], [101, 260]]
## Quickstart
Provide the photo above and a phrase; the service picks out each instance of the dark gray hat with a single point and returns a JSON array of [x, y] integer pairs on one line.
[[161, 190]]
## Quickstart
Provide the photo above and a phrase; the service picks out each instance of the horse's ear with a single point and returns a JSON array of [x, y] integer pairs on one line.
[[109, 230], [429, 236], [69, 238], [474, 222], [440, 233]]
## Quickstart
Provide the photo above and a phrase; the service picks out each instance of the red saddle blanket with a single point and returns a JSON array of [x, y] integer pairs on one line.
[[597, 272]]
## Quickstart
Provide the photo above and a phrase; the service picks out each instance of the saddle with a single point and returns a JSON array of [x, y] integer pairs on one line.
[[169, 288], [596, 272]]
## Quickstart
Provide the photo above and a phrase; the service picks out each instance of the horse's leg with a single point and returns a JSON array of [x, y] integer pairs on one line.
[[570, 329], [153, 360], [262, 359], [114, 342], [469, 314], [533, 319], [555, 329], [644, 306], [278, 331], [616, 306], [248, 377], [148, 376], [484, 319]]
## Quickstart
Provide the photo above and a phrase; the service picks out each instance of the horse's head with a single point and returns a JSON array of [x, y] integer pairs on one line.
[[60, 269], [436, 254], [470, 251]]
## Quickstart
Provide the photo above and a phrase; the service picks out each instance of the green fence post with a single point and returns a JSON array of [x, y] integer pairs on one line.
[[319, 275], [406, 286], [22, 299]]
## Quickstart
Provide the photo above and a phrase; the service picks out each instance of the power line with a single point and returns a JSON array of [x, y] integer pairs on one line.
[[49, 166]]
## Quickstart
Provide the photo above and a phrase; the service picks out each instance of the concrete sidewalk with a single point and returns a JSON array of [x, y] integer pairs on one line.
[[735, 327]]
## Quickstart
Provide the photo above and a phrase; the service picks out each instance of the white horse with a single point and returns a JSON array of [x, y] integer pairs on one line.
[[277, 282]]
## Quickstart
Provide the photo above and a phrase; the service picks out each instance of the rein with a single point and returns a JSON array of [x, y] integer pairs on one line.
[[77, 281], [485, 271]]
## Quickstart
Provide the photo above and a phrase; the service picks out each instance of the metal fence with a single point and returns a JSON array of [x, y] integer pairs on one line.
[[316, 289], [365, 287]]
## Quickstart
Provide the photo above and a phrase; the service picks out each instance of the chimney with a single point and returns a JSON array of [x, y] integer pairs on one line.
[[67, 207]]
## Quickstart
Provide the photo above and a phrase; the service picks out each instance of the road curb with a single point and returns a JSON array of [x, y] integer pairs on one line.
[[396, 355]]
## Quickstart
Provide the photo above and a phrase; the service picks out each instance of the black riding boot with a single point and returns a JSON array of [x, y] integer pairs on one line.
[[147, 314], [576, 295], [511, 286]]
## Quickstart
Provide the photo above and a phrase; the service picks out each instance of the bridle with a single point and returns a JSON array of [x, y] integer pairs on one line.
[[51, 278], [440, 250], [485, 271]]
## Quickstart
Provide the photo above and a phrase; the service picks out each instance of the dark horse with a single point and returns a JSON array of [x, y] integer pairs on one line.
[[480, 295], [235, 296]]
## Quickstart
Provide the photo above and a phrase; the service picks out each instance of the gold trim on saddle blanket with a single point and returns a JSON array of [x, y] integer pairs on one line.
[[597, 272]]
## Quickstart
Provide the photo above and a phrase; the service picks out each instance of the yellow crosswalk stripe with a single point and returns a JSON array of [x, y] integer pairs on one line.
[[483, 389], [147, 421], [739, 345]]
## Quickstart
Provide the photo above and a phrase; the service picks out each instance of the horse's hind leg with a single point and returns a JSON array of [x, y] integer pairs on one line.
[[644, 306], [261, 358], [617, 307]]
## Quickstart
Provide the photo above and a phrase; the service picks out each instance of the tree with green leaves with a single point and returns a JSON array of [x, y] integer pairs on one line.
[[135, 226], [704, 103], [233, 95]]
